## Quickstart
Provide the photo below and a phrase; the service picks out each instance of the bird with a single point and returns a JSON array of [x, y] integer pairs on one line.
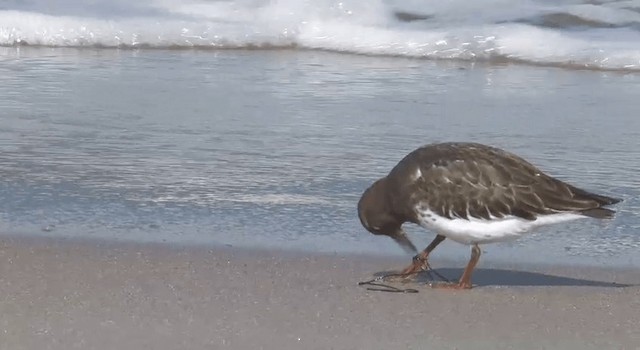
[[472, 194]]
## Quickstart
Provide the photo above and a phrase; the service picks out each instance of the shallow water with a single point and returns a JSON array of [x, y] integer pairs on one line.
[[274, 148]]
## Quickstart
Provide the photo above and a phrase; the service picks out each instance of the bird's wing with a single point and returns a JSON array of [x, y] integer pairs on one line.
[[494, 185]]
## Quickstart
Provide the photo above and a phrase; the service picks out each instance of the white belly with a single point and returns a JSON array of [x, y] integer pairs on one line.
[[480, 231]]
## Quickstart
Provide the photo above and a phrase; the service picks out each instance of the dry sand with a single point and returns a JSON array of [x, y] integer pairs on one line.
[[57, 294]]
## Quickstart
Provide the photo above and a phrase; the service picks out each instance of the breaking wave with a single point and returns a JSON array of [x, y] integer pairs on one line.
[[566, 33]]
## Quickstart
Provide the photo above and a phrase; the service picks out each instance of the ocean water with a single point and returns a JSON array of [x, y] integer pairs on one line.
[[595, 34], [257, 123]]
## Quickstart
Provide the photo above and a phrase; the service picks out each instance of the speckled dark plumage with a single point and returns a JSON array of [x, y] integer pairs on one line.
[[470, 179]]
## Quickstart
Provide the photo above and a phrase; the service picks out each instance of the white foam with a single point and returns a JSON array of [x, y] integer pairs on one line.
[[282, 199], [262, 199], [456, 29]]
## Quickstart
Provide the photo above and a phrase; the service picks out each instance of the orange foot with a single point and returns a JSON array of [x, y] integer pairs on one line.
[[407, 274], [415, 267]]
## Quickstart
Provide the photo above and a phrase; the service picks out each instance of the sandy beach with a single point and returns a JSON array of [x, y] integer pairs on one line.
[[83, 294]]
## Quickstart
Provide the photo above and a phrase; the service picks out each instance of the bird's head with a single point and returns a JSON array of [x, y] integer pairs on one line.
[[376, 215]]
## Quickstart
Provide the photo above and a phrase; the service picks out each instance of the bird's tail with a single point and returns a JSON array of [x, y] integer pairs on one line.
[[598, 212]]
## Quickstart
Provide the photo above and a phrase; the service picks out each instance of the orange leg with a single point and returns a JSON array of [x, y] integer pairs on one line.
[[420, 262], [465, 280]]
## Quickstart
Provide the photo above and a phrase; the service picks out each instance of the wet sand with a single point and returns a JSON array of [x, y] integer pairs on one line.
[[72, 294]]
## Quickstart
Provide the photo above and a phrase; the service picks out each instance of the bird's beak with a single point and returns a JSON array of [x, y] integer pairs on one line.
[[401, 238]]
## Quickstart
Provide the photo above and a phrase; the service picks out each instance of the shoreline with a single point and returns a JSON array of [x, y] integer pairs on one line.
[[460, 63], [64, 294], [403, 259]]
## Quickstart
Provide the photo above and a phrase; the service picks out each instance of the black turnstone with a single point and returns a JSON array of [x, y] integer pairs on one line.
[[472, 194]]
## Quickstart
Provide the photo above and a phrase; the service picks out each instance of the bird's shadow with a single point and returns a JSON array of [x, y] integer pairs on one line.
[[502, 277]]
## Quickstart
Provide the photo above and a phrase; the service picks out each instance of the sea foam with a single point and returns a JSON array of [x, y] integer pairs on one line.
[[568, 33]]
